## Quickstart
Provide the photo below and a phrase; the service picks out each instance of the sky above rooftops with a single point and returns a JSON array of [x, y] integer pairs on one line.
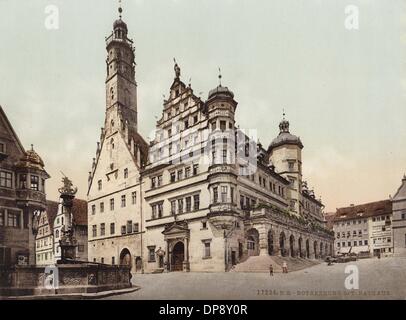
[[343, 90]]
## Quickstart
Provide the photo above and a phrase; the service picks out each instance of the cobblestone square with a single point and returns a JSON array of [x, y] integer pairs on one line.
[[378, 279]]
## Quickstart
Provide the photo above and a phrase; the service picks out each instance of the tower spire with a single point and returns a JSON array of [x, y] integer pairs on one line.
[[120, 9]]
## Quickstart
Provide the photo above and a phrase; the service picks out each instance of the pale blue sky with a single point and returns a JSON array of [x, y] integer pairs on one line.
[[343, 91]]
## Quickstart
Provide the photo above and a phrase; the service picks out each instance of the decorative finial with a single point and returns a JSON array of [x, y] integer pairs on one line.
[[177, 69], [220, 76], [120, 9], [284, 124]]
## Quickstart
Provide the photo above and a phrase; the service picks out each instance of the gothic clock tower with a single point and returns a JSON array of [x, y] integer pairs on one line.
[[121, 87]]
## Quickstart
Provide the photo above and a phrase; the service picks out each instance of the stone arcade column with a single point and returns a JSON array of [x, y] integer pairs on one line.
[[186, 265], [263, 240]]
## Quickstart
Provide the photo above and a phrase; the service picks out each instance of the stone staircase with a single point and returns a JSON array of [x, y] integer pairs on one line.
[[260, 264], [257, 264]]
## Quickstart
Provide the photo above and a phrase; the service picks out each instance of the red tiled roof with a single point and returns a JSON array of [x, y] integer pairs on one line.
[[52, 211], [79, 212], [364, 210]]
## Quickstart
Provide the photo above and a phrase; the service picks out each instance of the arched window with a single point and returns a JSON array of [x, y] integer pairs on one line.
[[57, 234], [112, 143], [112, 93]]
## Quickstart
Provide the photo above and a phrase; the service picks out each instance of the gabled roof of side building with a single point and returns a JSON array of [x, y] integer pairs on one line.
[[365, 210]]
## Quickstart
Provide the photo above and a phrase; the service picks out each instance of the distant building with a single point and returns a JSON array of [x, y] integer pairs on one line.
[[365, 228], [22, 196], [49, 231], [79, 212], [44, 240], [399, 219]]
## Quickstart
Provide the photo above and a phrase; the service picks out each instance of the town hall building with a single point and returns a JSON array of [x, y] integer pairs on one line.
[[202, 195]]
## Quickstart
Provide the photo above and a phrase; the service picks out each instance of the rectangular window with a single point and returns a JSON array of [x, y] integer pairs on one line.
[[111, 204], [173, 177], [196, 202], [180, 206], [13, 219], [102, 229], [112, 228], [1, 217], [365, 242], [93, 209], [223, 125], [224, 156], [159, 181], [207, 253], [2, 148], [151, 254], [215, 195], [136, 227], [23, 181], [153, 182], [129, 226], [180, 174], [232, 194], [125, 173], [195, 169], [123, 201], [160, 210], [101, 207], [188, 204], [187, 172], [224, 191], [94, 231], [134, 197], [6, 179], [81, 248], [99, 183], [204, 224], [154, 210], [123, 230], [35, 183], [113, 261], [173, 207], [242, 202]]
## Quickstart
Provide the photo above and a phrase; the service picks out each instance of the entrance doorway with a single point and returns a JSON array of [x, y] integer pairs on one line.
[[125, 258], [233, 258], [178, 256]]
